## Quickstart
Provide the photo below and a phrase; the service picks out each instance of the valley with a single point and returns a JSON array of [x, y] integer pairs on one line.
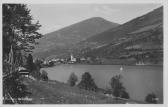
[[137, 41]]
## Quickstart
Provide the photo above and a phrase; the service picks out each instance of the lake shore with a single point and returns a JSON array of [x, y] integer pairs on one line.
[[138, 80], [54, 92], [157, 65]]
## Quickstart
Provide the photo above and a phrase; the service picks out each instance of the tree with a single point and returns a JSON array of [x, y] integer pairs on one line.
[[151, 98], [87, 82], [72, 79], [44, 75], [38, 62], [36, 69], [18, 28], [118, 89], [19, 34], [30, 64]]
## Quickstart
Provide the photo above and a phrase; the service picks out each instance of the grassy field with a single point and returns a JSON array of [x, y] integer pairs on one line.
[[53, 92]]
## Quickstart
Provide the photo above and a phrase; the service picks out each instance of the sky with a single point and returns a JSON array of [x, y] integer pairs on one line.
[[53, 17]]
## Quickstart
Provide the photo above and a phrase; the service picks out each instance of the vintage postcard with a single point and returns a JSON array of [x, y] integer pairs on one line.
[[84, 52]]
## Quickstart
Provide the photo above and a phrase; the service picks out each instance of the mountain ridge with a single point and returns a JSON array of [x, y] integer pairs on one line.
[[153, 14], [63, 38], [139, 37]]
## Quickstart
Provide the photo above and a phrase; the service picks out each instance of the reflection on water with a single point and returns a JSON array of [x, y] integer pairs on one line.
[[138, 80]]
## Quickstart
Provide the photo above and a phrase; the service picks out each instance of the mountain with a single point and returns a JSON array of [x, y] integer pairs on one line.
[[140, 37], [154, 17], [139, 40], [59, 42]]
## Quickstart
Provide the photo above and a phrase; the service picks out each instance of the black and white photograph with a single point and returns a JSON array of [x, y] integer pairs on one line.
[[83, 53]]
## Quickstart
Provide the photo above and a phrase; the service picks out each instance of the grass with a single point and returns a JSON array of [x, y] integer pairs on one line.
[[54, 92]]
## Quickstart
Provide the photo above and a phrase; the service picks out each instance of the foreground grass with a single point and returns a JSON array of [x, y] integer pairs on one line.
[[53, 92]]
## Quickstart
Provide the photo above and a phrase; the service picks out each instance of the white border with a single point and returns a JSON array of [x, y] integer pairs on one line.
[[82, 1], [165, 68]]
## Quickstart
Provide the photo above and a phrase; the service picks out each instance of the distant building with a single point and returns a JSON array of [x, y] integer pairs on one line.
[[45, 62], [62, 60], [73, 59], [82, 59]]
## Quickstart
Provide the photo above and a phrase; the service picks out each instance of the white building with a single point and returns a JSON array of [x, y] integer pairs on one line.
[[82, 59], [73, 59]]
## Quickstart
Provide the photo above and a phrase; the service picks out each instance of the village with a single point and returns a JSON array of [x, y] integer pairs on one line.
[[71, 60]]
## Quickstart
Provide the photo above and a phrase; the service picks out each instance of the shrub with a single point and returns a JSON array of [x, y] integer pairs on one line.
[[124, 94], [44, 75], [151, 98], [72, 79], [36, 74], [36, 70], [118, 89], [87, 82]]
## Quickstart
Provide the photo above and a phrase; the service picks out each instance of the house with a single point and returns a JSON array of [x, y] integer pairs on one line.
[[82, 59], [23, 71]]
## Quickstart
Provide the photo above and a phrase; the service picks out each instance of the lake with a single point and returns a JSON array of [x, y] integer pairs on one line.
[[138, 80]]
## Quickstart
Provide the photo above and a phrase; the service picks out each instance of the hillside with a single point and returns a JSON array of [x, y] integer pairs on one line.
[[54, 92], [58, 42], [153, 18], [139, 38]]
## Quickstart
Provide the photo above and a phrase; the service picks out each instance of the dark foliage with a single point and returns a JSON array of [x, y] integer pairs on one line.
[[18, 28], [30, 64], [15, 87], [87, 82], [19, 34], [151, 98], [118, 89], [36, 69], [36, 73], [72, 79], [44, 76], [125, 95]]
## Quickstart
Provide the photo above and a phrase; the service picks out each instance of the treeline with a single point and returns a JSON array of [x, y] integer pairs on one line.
[[116, 87], [87, 83]]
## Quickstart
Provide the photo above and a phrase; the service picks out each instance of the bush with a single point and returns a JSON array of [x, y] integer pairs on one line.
[[36, 70], [125, 95], [72, 79], [36, 74], [44, 75], [151, 98], [87, 82], [118, 90]]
